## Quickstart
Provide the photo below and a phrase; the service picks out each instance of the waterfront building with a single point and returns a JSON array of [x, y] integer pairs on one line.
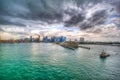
[[58, 39], [54, 39], [26, 40], [45, 39], [63, 39], [75, 40], [81, 39], [22, 40], [31, 39], [39, 38], [11, 41]]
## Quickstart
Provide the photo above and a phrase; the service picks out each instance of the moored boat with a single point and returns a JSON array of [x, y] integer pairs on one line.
[[104, 54]]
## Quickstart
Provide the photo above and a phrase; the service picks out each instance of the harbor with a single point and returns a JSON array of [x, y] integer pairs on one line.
[[47, 61], [59, 39], [73, 45]]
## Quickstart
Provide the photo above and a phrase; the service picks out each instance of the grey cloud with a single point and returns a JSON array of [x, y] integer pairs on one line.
[[6, 21], [99, 17], [48, 11], [2, 29], [20, 33], [74, 20], [78, 17], [52, 11], [85, 25], [116, 5], [71, 12], [96, 31]]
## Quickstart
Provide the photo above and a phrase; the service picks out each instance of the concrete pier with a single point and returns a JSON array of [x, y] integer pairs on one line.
[[84, 47]]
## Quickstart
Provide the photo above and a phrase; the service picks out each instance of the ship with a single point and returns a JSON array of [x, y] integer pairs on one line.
[[104, 54]]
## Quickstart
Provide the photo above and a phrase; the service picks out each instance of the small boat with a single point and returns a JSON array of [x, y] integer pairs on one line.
[[104, 54]]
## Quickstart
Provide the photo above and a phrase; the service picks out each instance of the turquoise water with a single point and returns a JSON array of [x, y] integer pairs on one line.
[[46, 61]]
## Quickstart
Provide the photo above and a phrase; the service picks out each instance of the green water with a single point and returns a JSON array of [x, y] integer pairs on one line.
[[45, 61]]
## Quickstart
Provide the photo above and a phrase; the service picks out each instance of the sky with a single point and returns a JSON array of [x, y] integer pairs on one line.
[[95, 20]]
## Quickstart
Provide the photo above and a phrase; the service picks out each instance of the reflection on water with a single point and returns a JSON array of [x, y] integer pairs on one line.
[[45, 61]]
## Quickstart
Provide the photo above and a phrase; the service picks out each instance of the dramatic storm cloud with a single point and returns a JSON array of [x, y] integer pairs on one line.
[[56, 16]]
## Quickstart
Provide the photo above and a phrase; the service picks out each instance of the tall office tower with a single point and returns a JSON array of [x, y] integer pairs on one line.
[[31, 39], [82, 39], [39, 38]]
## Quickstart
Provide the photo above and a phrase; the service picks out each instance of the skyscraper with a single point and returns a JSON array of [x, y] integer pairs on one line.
[[39, 38], [81, 39], [31, 39]]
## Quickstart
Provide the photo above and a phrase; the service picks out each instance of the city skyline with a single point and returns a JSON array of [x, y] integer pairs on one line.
[[95, 20]]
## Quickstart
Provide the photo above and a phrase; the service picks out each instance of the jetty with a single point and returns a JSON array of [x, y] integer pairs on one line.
[[69, 44], [84, 47], [72, 45]]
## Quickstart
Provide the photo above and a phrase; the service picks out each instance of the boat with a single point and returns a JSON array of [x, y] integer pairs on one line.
[[104, 54]]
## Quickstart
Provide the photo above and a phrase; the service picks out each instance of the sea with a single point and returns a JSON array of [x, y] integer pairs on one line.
[[48, 61]]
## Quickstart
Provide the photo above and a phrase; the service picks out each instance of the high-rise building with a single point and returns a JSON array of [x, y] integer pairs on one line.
[[45, 39], [81, 39], [31, 39], [54, 39], [62, 39], [39, 38]]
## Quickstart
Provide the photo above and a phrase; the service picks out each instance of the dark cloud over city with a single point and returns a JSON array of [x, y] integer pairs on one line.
[[84, 14]]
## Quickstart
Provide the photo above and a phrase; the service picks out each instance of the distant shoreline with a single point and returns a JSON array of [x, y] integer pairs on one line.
[[85, 43], [102, 44]]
